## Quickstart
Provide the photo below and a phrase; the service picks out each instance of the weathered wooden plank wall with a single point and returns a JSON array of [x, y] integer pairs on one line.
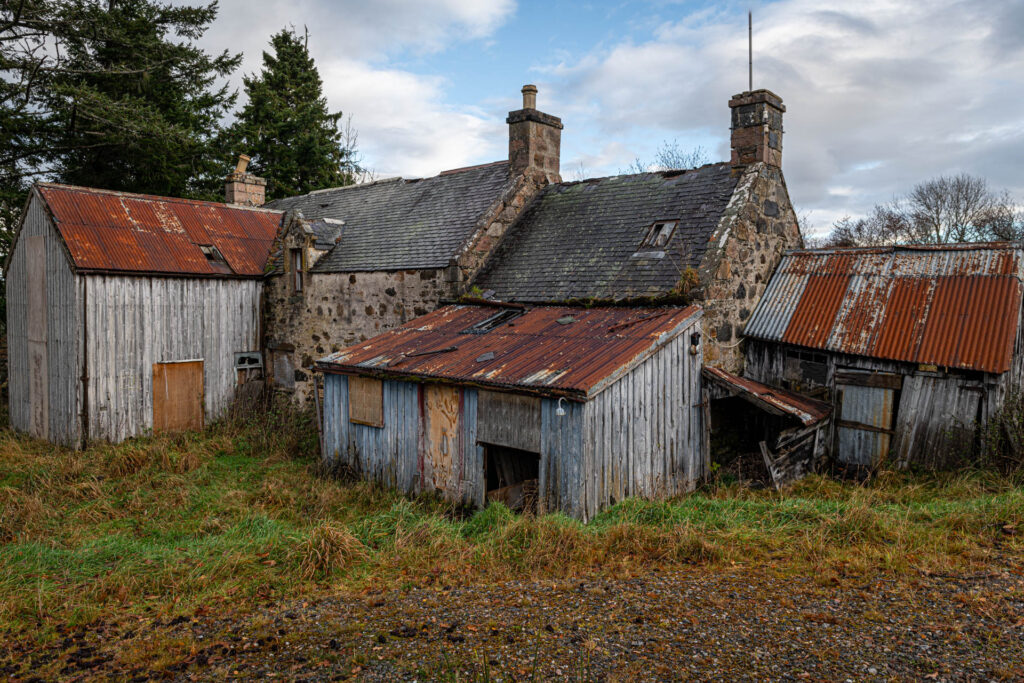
[[643, 436], [62, 344], [934, 411], [134, 322]]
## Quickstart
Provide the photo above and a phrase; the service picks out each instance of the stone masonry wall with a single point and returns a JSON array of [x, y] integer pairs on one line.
[[757, 227], [340, 309]]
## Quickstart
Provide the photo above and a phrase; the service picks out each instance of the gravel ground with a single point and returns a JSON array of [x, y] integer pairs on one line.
[[698, 624]]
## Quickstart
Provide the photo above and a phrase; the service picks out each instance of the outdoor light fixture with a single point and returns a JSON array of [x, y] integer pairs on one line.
[[560, 411], [694, 343]]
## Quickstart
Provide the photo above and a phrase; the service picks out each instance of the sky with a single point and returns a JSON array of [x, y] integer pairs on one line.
[[880, 94]]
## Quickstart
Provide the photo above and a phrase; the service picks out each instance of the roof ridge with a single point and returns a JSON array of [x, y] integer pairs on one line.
[[155, 197], [672, 171]]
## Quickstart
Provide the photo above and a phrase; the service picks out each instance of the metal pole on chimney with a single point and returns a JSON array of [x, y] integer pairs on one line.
[[750, 50]]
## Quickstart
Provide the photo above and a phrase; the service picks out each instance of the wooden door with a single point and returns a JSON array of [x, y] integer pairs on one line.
[[178, 396], [441, 443]]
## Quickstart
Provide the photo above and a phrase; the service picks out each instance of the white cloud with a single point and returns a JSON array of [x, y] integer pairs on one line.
[[881, 94], [404, 125]]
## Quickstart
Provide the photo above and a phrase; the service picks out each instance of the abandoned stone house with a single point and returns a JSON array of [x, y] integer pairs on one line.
[[356, 261]]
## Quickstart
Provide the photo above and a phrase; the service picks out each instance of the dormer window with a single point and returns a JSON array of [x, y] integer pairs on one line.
[[296, 263], [659, 234]]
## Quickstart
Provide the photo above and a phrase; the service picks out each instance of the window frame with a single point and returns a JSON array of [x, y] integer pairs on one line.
[[296, 259]]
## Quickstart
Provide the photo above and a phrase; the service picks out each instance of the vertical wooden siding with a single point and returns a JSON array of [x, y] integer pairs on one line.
[[644, 434], [134, 322], [63, 313]]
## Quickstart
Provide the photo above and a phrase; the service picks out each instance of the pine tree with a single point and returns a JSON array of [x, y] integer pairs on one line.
[[114, 95], [285, 126]]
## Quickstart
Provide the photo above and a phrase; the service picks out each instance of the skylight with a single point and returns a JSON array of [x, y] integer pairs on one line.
[[659, 234]]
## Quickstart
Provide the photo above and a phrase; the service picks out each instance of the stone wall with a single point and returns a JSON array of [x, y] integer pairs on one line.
[[757, 227], [337, 310]]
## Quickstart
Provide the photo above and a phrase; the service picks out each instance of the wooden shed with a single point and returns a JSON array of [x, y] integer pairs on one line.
[[127, 313], [915, 346], [551, 408]]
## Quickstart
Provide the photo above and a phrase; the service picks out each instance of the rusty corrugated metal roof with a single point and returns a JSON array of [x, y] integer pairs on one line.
[[549, 350], [808, 410], [955, 306], [122, 232]]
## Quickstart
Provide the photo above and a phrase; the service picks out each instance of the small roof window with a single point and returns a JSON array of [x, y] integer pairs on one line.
[[659, 234], [499, 318], [215, 258]]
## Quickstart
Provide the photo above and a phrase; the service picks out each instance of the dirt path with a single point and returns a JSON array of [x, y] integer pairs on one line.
[[704, 624]]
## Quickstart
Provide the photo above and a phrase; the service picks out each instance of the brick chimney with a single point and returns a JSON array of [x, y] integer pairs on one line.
[[756, 128], [534, 139], [241, 187]]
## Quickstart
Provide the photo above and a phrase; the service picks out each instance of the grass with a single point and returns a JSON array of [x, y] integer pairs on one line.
[[239, 515]]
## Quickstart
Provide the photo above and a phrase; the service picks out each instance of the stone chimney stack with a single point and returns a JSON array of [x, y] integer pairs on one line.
[[534, 139], [244, 188], [756, 128]]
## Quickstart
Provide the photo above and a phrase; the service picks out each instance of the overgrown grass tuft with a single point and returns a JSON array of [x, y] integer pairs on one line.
[[240, 514]]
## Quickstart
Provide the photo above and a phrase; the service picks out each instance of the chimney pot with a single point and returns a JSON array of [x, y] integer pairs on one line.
[[756, 128], [529, 97], [243, 163], [534, 140]]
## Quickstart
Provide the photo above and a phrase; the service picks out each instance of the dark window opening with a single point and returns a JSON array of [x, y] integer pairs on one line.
[[215, 258], [499, 318], [296, 270], [659, 234], [512, 477]]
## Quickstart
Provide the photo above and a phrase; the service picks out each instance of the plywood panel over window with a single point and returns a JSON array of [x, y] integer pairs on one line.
[[510, 420], [365, 401], [178, 396], [441, 437]]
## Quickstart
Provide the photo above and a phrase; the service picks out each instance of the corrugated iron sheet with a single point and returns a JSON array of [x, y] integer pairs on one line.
[[116, 231], [533, 351], [808, 410], [955, 306]]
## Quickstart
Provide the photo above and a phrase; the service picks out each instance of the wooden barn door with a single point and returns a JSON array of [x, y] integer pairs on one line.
[[441, 444], [38, 371], [177, 396], [867, 402]]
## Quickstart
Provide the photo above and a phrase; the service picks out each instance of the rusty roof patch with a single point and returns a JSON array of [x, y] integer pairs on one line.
[[955, 306], [110, 231], [808, 410], [533, 352]]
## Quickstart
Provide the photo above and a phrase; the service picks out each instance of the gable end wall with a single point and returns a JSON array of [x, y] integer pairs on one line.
[[758, 226]]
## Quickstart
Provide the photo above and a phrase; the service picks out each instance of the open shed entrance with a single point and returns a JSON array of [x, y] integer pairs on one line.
[[763, 433], [512, 477]]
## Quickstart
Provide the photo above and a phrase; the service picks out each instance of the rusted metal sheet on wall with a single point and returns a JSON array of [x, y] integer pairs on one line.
[[509, 420], [955, 306], [178, 396], [441, 444]]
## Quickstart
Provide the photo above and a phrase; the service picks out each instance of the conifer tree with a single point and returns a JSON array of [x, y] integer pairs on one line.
[[114, 94], [286, 127]]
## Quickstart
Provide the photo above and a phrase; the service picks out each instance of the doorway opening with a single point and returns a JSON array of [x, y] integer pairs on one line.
[[512, 477]]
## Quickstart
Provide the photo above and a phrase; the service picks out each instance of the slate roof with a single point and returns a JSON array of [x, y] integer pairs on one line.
[[108, 231], [402, 224], [577, 240]]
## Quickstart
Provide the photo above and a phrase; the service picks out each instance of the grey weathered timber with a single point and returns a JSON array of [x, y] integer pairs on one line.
[[96, 338], [934, 414], [642, 435]]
